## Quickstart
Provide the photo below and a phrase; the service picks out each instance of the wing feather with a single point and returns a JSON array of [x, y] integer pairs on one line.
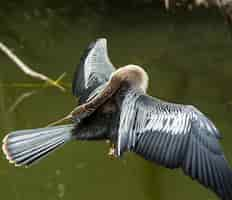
[[94, 70], [174, 136]]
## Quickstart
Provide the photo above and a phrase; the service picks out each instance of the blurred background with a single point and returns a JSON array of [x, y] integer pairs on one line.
[[186, 53]]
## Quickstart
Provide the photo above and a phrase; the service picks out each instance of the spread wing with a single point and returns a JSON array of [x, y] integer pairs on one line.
[[94, 70], [175, 136]]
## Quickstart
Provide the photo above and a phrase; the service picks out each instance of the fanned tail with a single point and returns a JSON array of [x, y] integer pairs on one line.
[[26, 147]]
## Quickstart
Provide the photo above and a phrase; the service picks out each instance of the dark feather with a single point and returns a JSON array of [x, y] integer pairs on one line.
[[174, 136]]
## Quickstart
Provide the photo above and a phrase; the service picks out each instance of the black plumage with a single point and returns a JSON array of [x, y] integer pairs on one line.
[[192, 144]]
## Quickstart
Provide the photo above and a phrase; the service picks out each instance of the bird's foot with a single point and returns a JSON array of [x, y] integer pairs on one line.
[[112, 152]]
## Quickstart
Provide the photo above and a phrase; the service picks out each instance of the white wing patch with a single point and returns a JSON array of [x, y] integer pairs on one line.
[[91, 62], [97, 58]]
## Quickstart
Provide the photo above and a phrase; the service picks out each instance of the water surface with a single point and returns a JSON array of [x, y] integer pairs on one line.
[[188, 58]]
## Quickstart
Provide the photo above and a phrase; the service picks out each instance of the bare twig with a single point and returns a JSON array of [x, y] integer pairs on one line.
[[66, 118], [29, 85], [20, 99], [58, 79], [26, 69], [26, 95]]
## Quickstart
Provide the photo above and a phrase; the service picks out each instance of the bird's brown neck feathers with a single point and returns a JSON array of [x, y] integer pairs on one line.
[[132, 75]]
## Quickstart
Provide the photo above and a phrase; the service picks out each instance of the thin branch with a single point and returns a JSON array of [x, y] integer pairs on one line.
[[66, 118], [26, 69], [29, 85], [58, 80], [26, 95], [20, 99]]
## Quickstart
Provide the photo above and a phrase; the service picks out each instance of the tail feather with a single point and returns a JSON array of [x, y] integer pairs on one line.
[[26, 147], [35, 151], [37, 156], [17, 143]]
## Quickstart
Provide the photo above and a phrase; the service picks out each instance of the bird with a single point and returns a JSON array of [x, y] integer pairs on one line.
[[113, 105]]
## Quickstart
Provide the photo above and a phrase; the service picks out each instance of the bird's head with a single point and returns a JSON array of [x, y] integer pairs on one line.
[[134, 75]]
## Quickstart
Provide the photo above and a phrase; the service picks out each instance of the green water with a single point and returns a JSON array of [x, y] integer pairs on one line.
[[187, 56]]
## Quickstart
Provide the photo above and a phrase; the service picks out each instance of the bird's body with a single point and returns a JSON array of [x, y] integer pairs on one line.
[[113, 105]]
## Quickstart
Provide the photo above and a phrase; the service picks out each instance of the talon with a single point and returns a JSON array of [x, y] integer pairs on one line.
[[112, 151]]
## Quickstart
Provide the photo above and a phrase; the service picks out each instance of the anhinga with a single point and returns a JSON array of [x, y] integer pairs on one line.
[[113, 105]]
